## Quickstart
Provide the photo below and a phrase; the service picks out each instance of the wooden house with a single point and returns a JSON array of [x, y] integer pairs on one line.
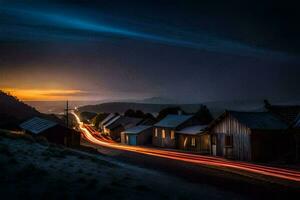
[[138, 135], [194, 138], [249, 136], [120, 124], [52, 131], [106, 120], [164, 131]]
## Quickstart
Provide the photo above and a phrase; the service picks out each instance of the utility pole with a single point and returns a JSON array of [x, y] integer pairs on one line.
[[67, 113]]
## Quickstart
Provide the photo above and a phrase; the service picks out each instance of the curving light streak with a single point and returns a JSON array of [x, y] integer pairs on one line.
[[286, 174]]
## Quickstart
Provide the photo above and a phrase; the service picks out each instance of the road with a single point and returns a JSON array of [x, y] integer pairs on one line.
[[279, 173]]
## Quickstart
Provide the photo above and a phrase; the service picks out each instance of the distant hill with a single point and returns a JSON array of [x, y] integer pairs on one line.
[[216, 108], [13, 111]]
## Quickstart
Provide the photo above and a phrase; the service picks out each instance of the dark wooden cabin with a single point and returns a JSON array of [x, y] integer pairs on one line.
[[52, 131], [138, 135], [249, 136], [164, 132], [194, 138]]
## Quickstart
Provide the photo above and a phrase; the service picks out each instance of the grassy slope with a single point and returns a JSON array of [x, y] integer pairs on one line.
[[38, 170]]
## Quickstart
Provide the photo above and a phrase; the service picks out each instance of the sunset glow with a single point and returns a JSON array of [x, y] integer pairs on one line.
[[43, 94]]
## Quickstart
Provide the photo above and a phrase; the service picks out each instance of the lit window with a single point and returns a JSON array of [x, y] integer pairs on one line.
[[193, 142], [156, 132], [163, 134], [172, 134]]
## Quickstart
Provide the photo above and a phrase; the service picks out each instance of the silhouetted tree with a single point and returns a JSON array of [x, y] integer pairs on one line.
[[167, 111], [204, 115], [139, 114], [129, 113], [267, 103]]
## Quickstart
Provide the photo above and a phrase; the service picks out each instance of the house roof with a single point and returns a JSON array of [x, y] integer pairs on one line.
[[136, 129], [111, 120], [107, 118], [288, 113], [37, 125], [193, 130], [259, 120], [125, 122], [172, 121]]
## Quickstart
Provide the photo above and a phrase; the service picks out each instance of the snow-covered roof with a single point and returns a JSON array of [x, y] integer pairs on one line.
[[37, 125], [193, 130], [136, 129], [172, 121]]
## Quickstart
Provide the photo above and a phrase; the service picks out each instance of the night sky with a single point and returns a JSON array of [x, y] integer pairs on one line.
[[191, 51]]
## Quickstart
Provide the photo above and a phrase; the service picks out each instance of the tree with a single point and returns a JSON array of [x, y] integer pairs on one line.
[[267, 103], [129, 113], [204, 115], [167, 111], [139, 114]]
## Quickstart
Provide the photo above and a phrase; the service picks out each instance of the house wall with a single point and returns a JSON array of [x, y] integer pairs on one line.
[[115, 133], [144, 137], [167, 141], [202, 143], [63, 136], [271, 145], [241, 148], [163, 142]]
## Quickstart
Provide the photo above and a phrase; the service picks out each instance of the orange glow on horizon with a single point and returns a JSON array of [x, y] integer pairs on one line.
[[43, 94]]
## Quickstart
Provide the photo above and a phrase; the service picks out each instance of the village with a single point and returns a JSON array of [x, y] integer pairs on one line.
[[272, 135]]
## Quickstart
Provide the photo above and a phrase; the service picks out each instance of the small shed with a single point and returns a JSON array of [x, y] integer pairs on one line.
[[250, 136], [138, 135], [164, 131], [194, 138], [52, 131]]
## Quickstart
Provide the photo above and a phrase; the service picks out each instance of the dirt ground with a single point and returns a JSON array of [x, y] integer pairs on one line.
[[37, 170]]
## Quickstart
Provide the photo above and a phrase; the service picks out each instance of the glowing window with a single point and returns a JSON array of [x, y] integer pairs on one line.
[[156, 132], [172, 134], [193, 142], [163, 133]]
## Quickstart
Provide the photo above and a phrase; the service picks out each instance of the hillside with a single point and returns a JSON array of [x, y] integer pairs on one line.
[[13, 111], [32, 170]]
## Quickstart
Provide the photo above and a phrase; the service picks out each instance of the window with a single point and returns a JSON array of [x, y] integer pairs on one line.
[[228, 140], [172, 134], [193, 142], [163, 133], [156, 132]]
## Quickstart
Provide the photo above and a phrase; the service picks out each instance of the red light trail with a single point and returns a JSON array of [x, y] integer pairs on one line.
[[96, 138]]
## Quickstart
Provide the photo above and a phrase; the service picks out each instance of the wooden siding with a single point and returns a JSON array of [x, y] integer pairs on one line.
[[143, 137], [241, 148], [163, 142], [202, 143]]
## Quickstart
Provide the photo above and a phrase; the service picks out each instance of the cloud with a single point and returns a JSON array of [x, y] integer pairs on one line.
[[46, 94], [48, 25]]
